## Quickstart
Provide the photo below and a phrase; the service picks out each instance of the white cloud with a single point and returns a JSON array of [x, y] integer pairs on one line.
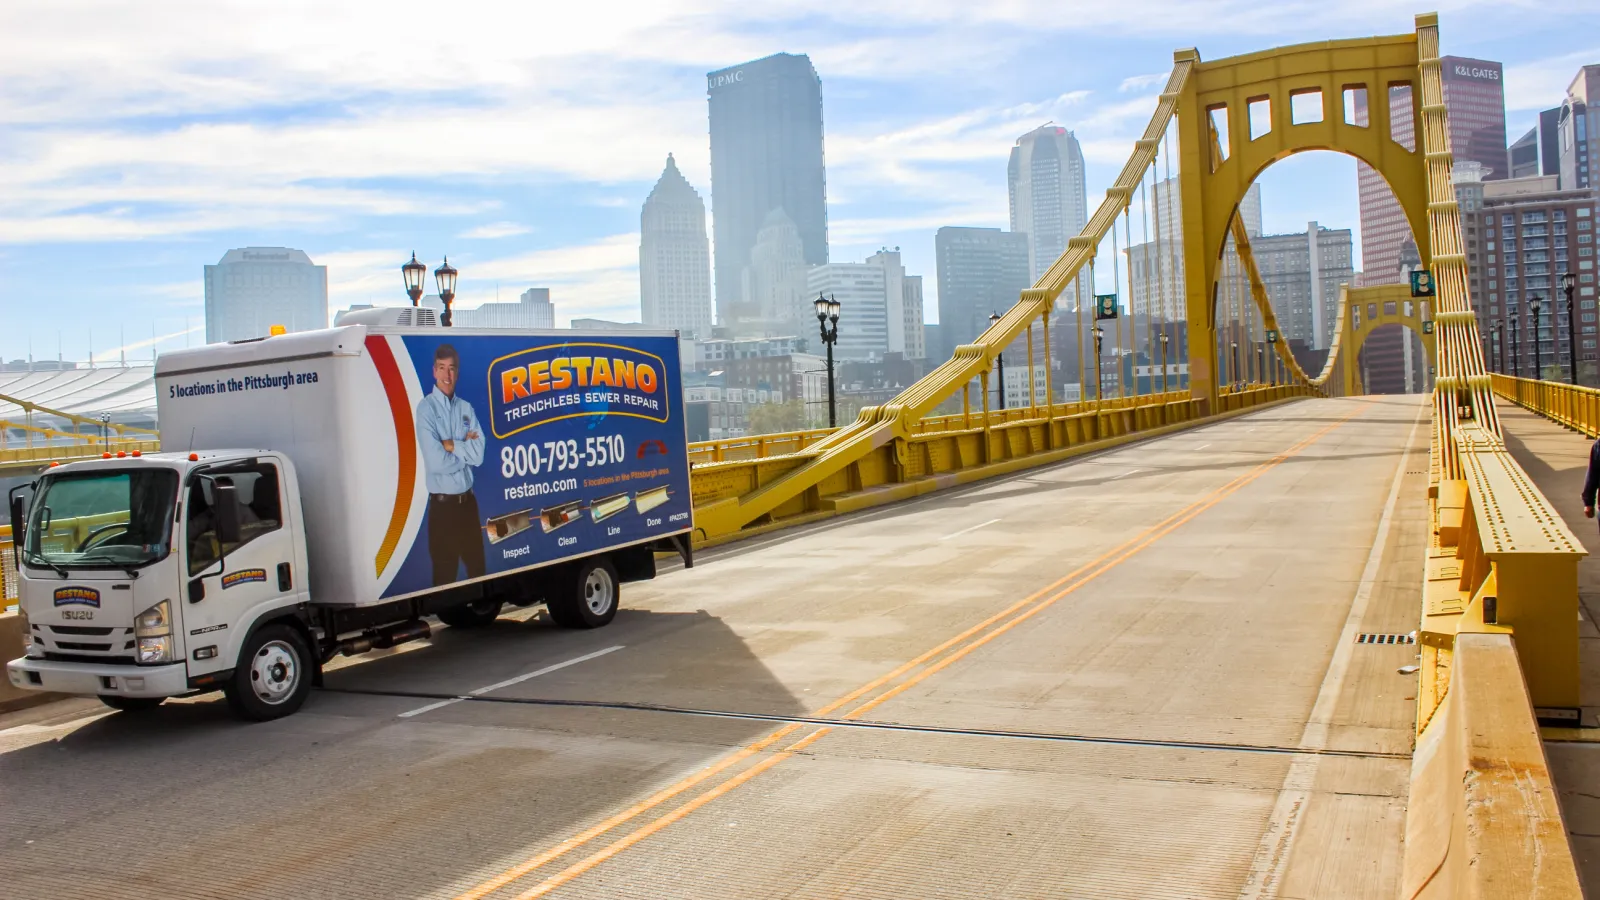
[[494, 231], [1141, 82], [1542, 83]]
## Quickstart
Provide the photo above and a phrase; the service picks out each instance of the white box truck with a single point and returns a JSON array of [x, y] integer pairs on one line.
[[325, 492]]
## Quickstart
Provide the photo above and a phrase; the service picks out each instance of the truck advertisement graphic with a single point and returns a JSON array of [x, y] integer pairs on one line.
[[533, 449]]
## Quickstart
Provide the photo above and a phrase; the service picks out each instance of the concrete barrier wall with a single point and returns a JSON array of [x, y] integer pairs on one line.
[[1482, 819]]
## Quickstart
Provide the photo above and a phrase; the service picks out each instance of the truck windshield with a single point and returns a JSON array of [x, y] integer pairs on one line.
[[102, 519]]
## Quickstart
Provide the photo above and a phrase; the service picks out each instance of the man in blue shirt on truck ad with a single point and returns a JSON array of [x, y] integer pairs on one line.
[[452, 444]]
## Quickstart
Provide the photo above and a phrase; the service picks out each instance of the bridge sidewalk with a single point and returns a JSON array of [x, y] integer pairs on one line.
[[1557, 460]]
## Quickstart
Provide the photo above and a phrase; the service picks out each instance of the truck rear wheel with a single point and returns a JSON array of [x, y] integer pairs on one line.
[[587, 596], [476, 614], [273, 676], [131, 704]]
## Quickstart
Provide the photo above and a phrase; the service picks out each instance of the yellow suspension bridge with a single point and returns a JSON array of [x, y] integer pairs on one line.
[[1260, 636]]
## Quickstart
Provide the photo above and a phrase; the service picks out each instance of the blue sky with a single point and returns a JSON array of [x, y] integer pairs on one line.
[[139, 142]]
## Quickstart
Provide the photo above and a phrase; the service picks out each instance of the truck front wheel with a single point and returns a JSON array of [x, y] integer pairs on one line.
[[273, 676], [588, 595]]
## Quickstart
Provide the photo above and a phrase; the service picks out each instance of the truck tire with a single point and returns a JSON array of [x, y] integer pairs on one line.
[[587, 596], [131, 704], [273, 677], [476, 614]]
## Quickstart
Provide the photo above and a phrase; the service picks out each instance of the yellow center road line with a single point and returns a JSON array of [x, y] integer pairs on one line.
[[1076, 579]]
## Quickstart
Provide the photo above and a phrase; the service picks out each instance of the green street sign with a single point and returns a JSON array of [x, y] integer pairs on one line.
[[1272, 336], [1105, 306], [1422, 283]]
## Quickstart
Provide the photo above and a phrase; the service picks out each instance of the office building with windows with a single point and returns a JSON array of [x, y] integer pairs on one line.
[[873, 297], [254, 288], [980, 271], [675, 257], [1578, 132], [1049, 200], [1525, 234], [766, 154]]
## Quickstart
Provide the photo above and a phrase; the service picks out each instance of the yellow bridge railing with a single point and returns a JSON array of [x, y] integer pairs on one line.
[[1574, 406], [1500, 599]]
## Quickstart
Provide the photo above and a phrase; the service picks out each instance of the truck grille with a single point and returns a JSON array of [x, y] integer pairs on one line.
[[85, 658], [74, 645], [78, 650]]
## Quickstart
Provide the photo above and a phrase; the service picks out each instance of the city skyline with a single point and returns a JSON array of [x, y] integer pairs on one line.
[[523, 184]]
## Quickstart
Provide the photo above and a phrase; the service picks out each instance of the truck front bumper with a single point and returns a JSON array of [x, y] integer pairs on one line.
[[87, 678]]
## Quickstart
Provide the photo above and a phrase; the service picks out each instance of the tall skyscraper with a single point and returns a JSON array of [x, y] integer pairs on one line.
[[254, 288], [766, 154], [674, 257], [774, 283], [1474, 98], [1578, 123], [1049, 202], [980, 271], [873, 315]]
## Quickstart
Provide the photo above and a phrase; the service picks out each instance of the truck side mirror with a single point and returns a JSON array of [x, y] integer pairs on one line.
[[226, 498], [197, 590], [19, 514]]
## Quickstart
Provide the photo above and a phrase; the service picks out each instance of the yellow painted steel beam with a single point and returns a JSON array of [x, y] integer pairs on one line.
[[1215, 177]]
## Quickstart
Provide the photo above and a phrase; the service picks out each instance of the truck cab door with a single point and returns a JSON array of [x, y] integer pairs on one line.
[[232, 583]]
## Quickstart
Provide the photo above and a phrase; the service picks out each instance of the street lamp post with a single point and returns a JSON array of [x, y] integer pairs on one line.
[[1261, 364], [1568, 282], [1516, 351], [414, 272], [1538, 359], [1099, 390], [105, 430], [1163, 359], [1272, 338], [446, 276], [828, 321], [1000, 361], [1236, 378]]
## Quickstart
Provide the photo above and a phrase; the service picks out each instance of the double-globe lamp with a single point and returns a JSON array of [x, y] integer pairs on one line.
[[828, 321], [445, 275]]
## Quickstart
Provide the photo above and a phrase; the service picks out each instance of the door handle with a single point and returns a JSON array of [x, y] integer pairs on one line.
[[284, 581]]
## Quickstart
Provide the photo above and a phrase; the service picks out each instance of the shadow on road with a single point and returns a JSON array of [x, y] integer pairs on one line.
[[348, 799]]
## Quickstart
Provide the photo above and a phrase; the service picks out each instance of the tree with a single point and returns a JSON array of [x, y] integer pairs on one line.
[[771, 418]]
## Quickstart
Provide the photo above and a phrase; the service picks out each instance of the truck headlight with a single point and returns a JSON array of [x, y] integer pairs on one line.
[[155, 650], [155, 621]]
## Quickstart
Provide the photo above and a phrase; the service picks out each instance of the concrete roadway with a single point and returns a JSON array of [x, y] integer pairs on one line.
[[1089, 680]]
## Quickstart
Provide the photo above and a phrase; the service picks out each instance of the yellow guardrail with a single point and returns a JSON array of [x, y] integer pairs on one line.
[[8, 570], [1571, 405], [1498, 634], [952, 450]]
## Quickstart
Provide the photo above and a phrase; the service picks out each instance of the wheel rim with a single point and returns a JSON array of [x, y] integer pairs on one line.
[[598, 591], [274, 672]]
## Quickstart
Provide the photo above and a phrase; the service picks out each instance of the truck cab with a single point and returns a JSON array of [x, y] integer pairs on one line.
[[143, 577]]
